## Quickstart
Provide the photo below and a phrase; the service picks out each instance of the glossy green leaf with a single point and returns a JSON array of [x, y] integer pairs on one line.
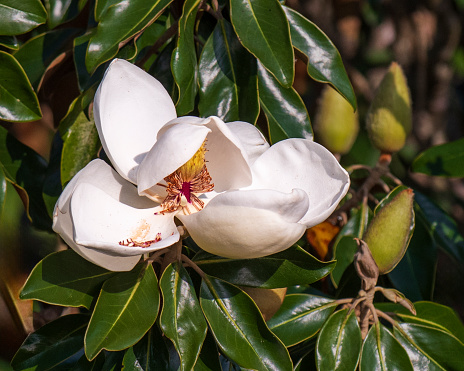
[[81, 145], [263, 29], [429, 348], [324, 61], [209, 356], [443, 227], [149, 354], [54, 346], [65, 278], [293, 266], [228, 78], [83, 364], [181, 318], [10, 42], [78, 105], [239, 328], [381, 351], [429, 314], [101, 6], [18, 101], [442, 160], [414, 275], [25, 169], [161, 69], [21, 16], [118, 24], [339, 342], [300, 317], [285, 111], [61, 11], [126, 309], [39, 52], [184, 59]]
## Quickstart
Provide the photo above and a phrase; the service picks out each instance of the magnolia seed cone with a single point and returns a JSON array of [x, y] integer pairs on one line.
[[389, 118], [336, 125], [390, 230], [268, 300]]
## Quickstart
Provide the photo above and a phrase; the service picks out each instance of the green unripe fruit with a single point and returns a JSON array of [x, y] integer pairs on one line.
[[336, 125], [391, 229], [389, 119]]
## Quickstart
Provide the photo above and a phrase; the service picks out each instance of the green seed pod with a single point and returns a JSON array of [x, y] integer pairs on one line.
[[336, 125], [390, 230], [389, 119]]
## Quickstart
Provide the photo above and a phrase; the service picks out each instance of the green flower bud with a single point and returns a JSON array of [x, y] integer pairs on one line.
[[336, 125], [391, 229], [389, 117]]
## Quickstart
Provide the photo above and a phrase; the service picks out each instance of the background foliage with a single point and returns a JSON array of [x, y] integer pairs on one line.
[[266, 63]]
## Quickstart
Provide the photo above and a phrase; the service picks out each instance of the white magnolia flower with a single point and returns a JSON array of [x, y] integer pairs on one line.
[[235, 195]]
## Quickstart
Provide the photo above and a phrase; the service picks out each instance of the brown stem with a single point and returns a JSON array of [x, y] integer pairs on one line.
[[193, 265], [386, 316], [170, 32]]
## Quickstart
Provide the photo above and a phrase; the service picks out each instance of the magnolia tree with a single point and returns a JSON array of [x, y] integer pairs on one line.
[[189, 191]]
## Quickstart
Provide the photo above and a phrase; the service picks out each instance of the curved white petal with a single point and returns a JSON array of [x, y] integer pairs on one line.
[[252, 139], [130, 107], [248, 224], [178, 140], [101, 222], [174, 148], [303, 164]]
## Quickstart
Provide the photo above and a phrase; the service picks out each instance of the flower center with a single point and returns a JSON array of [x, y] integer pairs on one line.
[[188, 181]]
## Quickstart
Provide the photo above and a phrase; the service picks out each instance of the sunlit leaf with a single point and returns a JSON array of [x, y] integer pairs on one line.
[[60, 11], [128, 304], [239, 328], [263, 29], [65, 278], [22, 16]]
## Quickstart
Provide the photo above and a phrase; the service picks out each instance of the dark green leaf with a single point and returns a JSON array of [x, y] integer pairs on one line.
[[18, 101], [209, 356], [344, 246], [443, 227], [239, 328], [429, 348], [414, 275], [118, 24], [56, 345], [25, 169], [64, 278], [126, 309], [38, 53], [290, 267], [184, 59], [181, 319], [10, 42], [161, 69], [285, 111], [228, 79], [429, 314], [300, 317], [443, 160], [81, 145], [61, 11], [381, 351], [149, 354], [101, 6], [339, 342], [324, 61], [83, 364], [20, 16], [80, 104], [263, 29]]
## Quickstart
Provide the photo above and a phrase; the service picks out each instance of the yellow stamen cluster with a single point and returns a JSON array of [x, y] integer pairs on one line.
[[193, 167]]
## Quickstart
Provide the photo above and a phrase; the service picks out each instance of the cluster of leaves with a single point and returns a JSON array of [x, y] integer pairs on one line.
[[233, 59]]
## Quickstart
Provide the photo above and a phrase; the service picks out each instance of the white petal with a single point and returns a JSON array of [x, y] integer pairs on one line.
[[227, 161], [303, 164], [101, 222], [252, 139], [130, 107], [174, 148], [248, 224], [64, 226]]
